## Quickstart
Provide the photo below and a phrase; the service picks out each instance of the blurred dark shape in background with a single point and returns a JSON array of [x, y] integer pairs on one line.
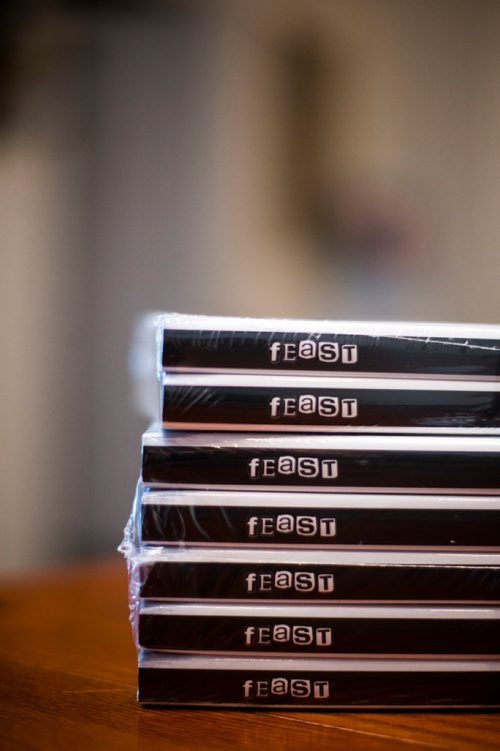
[[286, 158]]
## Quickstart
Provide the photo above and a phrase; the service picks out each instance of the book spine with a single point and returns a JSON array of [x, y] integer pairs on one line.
[[323, 527], [246, 351], [256, 582], [319, 469], [361, 637], [276, 408], [361, 689]]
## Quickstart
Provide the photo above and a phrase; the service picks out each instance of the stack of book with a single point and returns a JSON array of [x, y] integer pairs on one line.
[[318, 518]]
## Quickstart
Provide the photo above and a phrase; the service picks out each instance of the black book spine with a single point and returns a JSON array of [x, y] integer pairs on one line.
[[325, 527], [320, 469], [256, 634], [275, 407], [360, 689], [329, 353], [257, 582]]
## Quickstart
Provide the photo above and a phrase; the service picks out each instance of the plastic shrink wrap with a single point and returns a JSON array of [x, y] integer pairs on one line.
[[320, 524]]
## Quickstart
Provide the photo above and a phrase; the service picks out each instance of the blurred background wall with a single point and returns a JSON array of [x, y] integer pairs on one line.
[[290, 157]]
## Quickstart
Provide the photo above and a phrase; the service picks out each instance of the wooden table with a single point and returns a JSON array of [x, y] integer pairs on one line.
[[69, 681]]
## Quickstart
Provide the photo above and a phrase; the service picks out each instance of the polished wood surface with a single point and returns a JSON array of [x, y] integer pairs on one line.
[[69, 681]]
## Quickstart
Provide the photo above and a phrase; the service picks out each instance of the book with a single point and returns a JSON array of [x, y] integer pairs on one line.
[[340, 463], [334, 630], [240, 575], [317, 682], [337, 520], [300, 403], [216, 344]]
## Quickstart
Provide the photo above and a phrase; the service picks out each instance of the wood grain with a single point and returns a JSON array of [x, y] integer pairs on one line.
[[69, 682]]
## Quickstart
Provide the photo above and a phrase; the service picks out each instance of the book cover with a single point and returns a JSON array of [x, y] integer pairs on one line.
[[334, 630], [240, 575], [311, 404], [340, 463], [317, 683], [337, 520], [245, 345]]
